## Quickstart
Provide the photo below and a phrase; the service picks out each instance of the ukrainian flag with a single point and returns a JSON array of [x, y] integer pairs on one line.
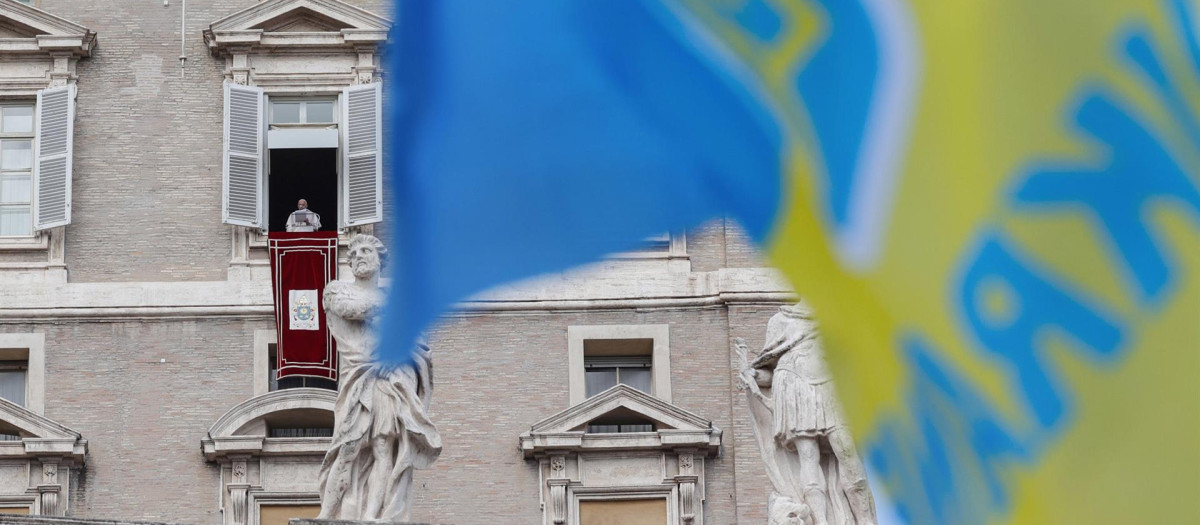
[[993, 205]]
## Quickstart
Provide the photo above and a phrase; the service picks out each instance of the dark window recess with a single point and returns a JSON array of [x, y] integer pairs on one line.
[[274, 383], [302, 432], [309, 174], [9, 437], [620, 428]]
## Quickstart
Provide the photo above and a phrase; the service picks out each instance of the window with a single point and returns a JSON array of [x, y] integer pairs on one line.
[[23, 370], [304, 111], [619, 429], [601, 356], [16, 170], [604, 372], [326, 150], [292, 381], [12, 380], [282, 514], [623, 512]]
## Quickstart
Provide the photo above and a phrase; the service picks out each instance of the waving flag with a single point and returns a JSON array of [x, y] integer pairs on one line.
[[992, 205]]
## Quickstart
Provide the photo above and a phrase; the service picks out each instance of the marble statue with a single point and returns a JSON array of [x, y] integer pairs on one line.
[[381, 430], [811, 462]]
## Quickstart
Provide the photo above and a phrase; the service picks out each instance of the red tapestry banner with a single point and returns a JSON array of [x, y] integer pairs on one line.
[[302, 263]]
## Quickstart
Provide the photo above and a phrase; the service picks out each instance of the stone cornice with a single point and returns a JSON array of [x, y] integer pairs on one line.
[[51, 33], [223, 443], [41, 436], [259, 406], [677, 428], [573, 291], [241, 29]]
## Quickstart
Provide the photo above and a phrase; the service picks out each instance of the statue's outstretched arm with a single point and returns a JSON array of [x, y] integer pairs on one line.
[[748, 377]]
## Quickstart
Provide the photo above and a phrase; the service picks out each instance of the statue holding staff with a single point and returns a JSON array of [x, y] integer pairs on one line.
[[809, 453]]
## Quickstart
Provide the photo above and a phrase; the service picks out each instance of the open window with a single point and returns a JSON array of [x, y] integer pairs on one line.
[[324, 150], [297, 129]]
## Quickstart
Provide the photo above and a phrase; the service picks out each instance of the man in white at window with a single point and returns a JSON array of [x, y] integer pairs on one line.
[[303, 219]]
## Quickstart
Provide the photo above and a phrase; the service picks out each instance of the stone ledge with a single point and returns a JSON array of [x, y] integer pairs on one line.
[[306, 521], [17, 519]]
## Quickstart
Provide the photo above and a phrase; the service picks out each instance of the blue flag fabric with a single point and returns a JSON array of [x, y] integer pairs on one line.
[[563, 129]]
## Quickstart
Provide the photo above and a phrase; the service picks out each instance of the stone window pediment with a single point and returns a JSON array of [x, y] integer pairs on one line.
[[674, 427], [662, 466], [295, 24], [35, 468], [258, 470], [27, 29]]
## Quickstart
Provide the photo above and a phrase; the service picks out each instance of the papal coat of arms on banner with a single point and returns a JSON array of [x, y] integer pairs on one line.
[[302, 304]]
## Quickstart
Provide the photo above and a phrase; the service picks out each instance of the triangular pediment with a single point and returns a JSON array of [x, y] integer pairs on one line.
[[625, 403], [20, 21], [16, 419], [38, 435], [302, 20], [301, 16]]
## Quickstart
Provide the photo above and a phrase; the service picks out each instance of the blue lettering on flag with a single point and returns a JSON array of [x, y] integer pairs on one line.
[[1039, 302], [946, 465], [1140, 170], [1137, 170]]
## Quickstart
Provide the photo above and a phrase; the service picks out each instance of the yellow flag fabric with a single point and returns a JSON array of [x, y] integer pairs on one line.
[[993, 207]]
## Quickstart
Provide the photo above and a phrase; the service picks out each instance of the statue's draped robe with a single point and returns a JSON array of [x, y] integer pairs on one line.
[[374, 403], [803, 403]]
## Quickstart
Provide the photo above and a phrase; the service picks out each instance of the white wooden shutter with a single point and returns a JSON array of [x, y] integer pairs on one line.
[[362, 159], [243, 159], [52, 157]]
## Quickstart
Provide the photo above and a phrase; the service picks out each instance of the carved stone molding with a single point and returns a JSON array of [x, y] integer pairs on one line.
[[666, 463], [256, 467], [238, 502], [345, 38], [51, 452]]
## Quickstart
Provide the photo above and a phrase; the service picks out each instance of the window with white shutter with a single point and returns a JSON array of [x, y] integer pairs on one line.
[[362, 162], [243, 156], [54, 129], [16, 169]]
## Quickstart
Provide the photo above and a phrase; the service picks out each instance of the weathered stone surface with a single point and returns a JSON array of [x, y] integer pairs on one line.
[[373, 482], [350, 522], [14, 519]]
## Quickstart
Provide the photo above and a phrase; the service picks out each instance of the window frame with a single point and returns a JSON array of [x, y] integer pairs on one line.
[[30, 347], [303, 101], [617, 364], [263, 341], [31, 135], [660, 356]]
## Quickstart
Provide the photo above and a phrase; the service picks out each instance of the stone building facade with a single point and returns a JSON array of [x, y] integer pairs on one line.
[[139, 319]]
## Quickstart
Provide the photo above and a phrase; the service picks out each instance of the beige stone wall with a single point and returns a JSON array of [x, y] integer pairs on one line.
[[148, 143], [495, 374], [143, 393], [498, 374]]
